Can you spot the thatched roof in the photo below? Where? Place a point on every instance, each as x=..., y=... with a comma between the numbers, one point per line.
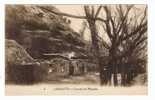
x=16, y=54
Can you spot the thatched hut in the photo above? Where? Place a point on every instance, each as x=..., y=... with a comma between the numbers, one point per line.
x=20, y=66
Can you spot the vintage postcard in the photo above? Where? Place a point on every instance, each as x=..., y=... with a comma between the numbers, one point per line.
x=76, y=49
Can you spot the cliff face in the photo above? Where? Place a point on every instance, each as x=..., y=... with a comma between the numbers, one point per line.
x=32, y=33
x=40, y=31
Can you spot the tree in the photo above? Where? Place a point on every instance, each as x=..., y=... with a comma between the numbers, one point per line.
x=91, y=16
x=126, y=34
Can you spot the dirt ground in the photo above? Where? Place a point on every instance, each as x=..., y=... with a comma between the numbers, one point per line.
x=76, y=85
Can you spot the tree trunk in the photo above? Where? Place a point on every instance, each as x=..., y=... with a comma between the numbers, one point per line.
x=115, y=74
x=123, y=82
x=94, y=37
x=123, y=79
x=71, y=68
x=113, y=64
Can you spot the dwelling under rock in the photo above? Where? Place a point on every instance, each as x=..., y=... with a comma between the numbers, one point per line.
x=32, y=35
x=64, y=65
x=21, y=68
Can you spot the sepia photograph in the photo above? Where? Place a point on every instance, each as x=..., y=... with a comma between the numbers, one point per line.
x=80, y=49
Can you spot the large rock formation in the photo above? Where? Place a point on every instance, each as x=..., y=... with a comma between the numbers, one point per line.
x=32, y=32
x=40, y=31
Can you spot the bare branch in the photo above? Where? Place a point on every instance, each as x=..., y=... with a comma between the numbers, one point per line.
x=93, y=12
x=98, y=11
x=137, y=30
x=113, y=25
x=123, y=17
x=104, y=43
x=62, y=14
x=108, y=17
x=140, y=41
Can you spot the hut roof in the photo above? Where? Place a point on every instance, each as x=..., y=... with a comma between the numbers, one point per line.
x=16, y=54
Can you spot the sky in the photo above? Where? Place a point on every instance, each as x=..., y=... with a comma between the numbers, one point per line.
x=76, y=24
x=74, y=10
